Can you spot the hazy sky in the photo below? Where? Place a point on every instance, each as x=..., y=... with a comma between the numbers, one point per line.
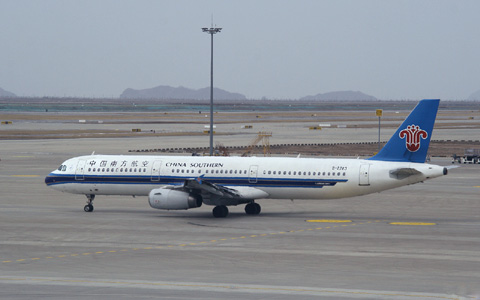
x=277, y=49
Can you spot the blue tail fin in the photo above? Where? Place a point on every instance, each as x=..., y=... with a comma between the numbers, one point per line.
x=410, y=141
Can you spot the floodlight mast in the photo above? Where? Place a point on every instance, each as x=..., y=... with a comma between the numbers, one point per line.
x=212, y=30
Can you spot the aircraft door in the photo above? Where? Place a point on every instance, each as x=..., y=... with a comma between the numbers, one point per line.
x=80, y=170
x=364, y=178
x=156, y=170
x=252, y=177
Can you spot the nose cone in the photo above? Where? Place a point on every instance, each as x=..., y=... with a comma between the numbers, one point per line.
x=50, y=179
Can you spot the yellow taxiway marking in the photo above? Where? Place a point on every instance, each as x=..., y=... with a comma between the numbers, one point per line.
x=412, y=223
x=477, y=186
x=26, y=176
x=328, y=221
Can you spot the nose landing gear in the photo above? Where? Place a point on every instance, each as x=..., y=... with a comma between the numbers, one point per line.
x=89, y=206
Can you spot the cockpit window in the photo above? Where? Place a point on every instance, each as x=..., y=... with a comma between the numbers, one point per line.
x=60, y=168
x=64, y=168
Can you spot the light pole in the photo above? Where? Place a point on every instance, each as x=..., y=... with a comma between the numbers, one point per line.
x=211, y=31
x=379, y=114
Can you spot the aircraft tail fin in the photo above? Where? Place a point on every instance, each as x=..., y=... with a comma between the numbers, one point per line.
x=411, y=140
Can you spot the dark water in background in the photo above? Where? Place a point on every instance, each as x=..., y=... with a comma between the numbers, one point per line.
x=117, y=105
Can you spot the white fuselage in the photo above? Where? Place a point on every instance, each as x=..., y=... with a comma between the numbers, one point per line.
x=262, y=177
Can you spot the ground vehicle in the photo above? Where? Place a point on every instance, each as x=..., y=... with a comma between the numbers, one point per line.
x=471, y=156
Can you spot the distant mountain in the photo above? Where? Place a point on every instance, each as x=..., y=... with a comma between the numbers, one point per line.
x=341, y=95
x=4, y=93
x=475, y=96
x=168, y=92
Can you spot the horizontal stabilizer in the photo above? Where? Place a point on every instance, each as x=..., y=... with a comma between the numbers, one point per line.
x=402, y=173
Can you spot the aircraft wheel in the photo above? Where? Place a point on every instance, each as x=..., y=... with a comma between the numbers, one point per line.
x=258, y=208
x=88, y=208
x=253, y=208
x=220, y=211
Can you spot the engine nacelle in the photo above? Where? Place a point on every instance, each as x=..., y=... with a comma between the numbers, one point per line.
x=172, y=199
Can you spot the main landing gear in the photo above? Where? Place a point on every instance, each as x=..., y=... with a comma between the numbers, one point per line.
x=253, y=208
x=89, y=206
x=221, y=211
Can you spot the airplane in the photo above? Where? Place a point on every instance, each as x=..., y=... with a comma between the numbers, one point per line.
x=185, y=182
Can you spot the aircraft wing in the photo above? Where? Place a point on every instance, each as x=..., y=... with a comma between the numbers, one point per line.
x=214, y=194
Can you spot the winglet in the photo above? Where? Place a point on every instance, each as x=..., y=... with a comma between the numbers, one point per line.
x=411, y=140
x=199, y=179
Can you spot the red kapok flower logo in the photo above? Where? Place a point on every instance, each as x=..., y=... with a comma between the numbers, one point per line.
x=412, y=135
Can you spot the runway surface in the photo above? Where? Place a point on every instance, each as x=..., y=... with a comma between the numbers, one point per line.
x=415, y=242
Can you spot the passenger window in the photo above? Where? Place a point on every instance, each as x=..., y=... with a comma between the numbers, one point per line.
x=89, y=169
x=308, y=173
x=274, y=172
x=344, y=174
x=289, y=172
x=314, y=173
x=323, y=173
x=328, y=173
x=269, y=172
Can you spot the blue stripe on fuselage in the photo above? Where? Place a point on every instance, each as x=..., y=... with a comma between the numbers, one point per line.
x=55, y=179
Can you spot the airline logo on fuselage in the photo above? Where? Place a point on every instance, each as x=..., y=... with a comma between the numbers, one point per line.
x=194, y=165
x=412, y=135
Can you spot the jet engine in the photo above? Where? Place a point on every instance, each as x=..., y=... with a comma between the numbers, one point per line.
x=172, y=199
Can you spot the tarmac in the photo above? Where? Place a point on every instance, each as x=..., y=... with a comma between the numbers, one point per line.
x=415, y=242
